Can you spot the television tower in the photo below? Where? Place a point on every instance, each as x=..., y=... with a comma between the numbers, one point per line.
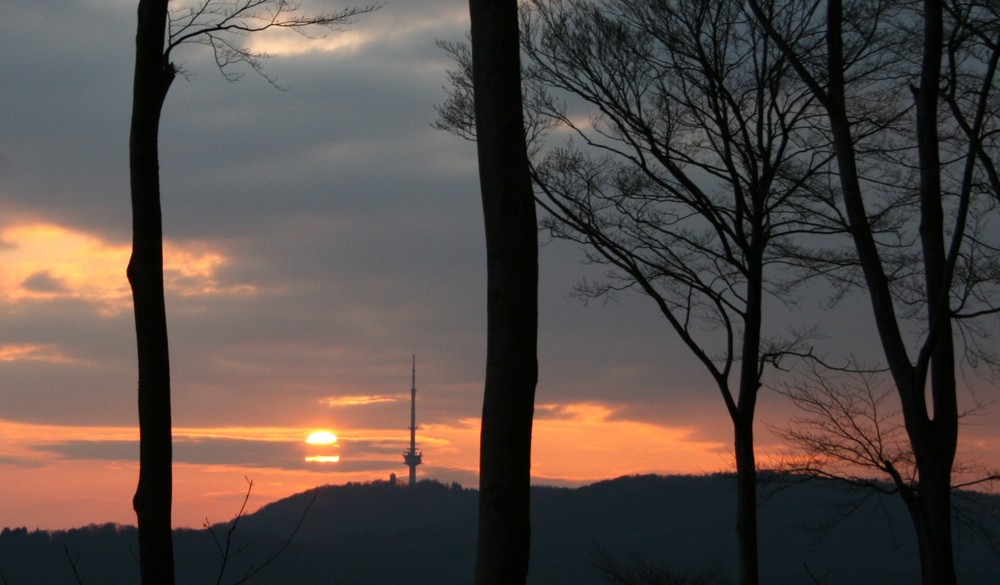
x=412, y=457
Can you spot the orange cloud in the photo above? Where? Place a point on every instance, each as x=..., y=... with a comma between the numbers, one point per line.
x=44, y=262
x=278, y=42
x=192, y=269
x=337, y=401
x=33, y=352
x=48, y=262
x=282, y=42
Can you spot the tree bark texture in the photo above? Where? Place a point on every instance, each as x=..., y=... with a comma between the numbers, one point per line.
x=152, y=502
x=512, y=296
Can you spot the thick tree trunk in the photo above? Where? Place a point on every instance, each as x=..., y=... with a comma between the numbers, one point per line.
x=931, y=517
x=153, y=495
x=512, y=292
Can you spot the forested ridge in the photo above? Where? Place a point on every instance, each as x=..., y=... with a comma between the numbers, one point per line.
x=376, y=533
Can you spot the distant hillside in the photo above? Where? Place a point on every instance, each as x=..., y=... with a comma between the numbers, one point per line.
x=378, y=533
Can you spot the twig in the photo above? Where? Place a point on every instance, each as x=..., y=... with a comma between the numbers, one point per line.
x=72, y=563
x=226, y=553
x=813, y=577
x=254, y=570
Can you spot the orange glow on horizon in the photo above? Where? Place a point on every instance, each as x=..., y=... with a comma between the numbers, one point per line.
x=581, y=443
x=574, y=443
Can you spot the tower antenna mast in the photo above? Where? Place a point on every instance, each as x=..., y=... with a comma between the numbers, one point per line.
x=411, y=457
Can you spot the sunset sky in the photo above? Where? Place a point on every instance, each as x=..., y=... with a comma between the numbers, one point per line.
x=315, y=240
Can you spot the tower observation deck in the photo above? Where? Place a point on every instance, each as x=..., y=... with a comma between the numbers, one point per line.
x=411, y=457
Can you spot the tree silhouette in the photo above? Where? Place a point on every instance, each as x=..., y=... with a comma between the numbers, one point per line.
x=909, y=96
x=512, y=296
x=691, y=162
x=220, y=24
x=849, y=429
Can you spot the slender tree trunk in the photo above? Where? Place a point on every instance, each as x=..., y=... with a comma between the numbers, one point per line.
x=512, y=296
x=743, y=417
x=746, y=498
x=153, y=495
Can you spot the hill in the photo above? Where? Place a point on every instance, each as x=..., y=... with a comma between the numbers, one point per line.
x=380, y=533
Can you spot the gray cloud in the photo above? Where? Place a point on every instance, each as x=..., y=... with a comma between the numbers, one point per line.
x=96, y=450
x=43, y=281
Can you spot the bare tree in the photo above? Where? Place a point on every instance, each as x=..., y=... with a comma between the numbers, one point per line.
x=687, y=177
x=850, y=429
x=220, y=24
x=909, y=95
x=512, y=296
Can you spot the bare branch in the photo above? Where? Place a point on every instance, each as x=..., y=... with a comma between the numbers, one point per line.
x=73, y=563
x=848, y=432
x=223, y=25
x=277, y=553
x=226, y=552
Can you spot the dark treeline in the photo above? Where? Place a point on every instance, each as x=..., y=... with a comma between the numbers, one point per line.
x=377, y=533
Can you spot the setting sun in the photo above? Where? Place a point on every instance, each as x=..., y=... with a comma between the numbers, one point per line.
x=321, y=438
